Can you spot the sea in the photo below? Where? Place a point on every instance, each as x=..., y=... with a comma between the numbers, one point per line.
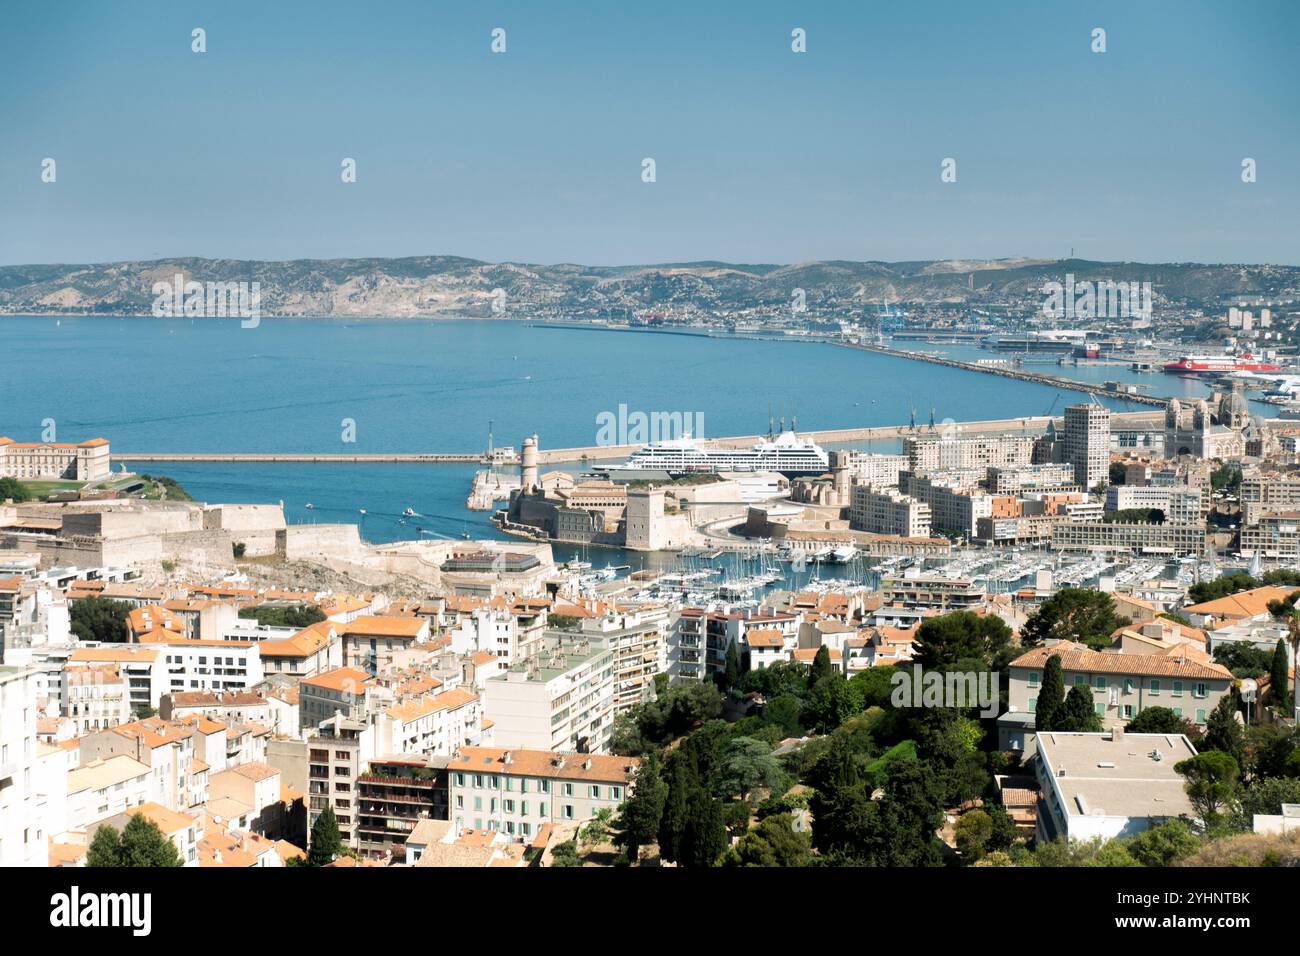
x=364, y=386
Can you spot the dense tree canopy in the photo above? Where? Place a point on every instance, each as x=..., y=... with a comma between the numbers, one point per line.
x=1074, y=614
x=99, y=619
x=141, y=843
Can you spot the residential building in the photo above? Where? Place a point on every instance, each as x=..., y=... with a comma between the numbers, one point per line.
x=1087, y=443
x=886, y=511
x=561, y=699
x=516, y=791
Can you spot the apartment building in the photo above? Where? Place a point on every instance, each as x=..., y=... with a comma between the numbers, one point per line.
x=935, y=452
x=879, y=471
x=104, y=787
x=917, y=590
x=560, y=699
x=95, y=697
x=638, y=638
x=516, y=791
x=1262, y=492
x=337, y=754
x=314, y=649
x=342, y=690
x=1087, y=443
x=145, y=669
x=22, y=835
x=393, y=796
x=1124, y=684
x=1181, y=505
x=430, y=724
x=1109, y=785
x=1274, y=536
x=955, y=506
x=686, y=645
x=1135, y=538
x=1016, y=479
x=886, y=511
x=228, y=666
x=167, y=749
x=378, y=644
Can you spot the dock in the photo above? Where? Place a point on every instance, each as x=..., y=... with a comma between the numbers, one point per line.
x=549, y=456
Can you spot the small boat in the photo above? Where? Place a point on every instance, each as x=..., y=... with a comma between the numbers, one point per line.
x=309, y=505
x=465, y=535
x=409, y=512
x=361, y=511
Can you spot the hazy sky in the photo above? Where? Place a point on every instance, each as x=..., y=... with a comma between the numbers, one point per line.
x=762, y=154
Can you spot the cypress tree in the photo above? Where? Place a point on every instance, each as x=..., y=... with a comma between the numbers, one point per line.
x=1223, y=732
x=326, y=842
x=677, y=806
x=639, y=821
x=1078, y=715
x=1277, y=680
x=1051, y=696
x=706, y=831
x=821, y=666
x=731, y=677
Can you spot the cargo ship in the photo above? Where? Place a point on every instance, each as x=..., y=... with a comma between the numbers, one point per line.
x=1219, y=364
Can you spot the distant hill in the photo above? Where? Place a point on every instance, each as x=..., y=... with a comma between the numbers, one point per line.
x=447, y=285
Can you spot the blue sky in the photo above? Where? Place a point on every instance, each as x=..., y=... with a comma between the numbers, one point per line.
x=763, y=155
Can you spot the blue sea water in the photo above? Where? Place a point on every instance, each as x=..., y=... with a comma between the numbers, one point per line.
x=413, y=385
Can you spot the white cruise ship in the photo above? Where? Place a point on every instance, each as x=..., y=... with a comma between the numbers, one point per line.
x=787, y=454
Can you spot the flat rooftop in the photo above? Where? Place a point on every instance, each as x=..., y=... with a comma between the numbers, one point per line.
x=1118, y=778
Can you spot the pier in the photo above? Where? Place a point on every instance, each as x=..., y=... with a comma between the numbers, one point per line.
x=1035, y=424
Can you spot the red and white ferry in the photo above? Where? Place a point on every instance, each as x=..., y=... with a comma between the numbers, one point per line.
x=1219, y=364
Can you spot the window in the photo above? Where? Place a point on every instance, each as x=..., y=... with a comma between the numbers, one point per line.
x=595, y=792
x=1128, y=685
x=1178, y=688
x=1178, y=712
x=1128, y=711
x=1202, y=691
x=1155, y=687
x=1033, y=678
x=542, y=809
x=523, y=785
x=460, y=780
x=568, y=790
x=478, y=780
x=616, y=793
x=1080, y=680
x=478, y=803
x=544, y=786
x=508, y=806
x=523, y=808
x=1100, y=709
x=568, y=811
x=1033, y=704
x=1100, y=683
x=1200, y=716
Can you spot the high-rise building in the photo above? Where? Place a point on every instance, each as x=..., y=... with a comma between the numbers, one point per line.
x=1087, y=443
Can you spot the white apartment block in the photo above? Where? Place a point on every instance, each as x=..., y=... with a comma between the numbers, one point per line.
x=560, y=699
x=639, y=641
x=934, y=452
x=1087, y=443
x=1180, y=505
x=96, y=697
x=430, y=725
x=22, y=833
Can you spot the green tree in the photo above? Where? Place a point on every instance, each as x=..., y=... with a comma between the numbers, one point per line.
x=731, y=671
x=1164, y=844
x=1223, y=732
x=962, y=637
x=972, y=833
x=821, y=666
x=105, y=848
x=1074, y=614
x=834, y=699
x=141, y=843
x=774, y=842
x=99, y=619
x=1277, y=678
x=14, y=490
x=641, y=812
x=747, y=765
x=682, y=785
x=1211, y=783
x=1080, y=716
x=1155, y=720
x=1051, y=696
x=706, y=832
x=297, y=615
x=326, y=842
x=565, y=854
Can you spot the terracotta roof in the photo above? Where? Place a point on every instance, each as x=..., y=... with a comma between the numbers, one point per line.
x=1252, y=603
x=342, y=679
x=1077, y=657
x=376, y=626
x=543, y=763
